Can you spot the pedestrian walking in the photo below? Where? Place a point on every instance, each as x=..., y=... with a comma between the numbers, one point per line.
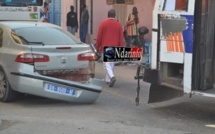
x=72, y=21
x=84, y=23
x=110, y=33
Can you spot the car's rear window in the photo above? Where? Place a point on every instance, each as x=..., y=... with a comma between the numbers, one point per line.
x=43, y=35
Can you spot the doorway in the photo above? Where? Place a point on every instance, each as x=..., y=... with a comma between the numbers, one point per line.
x=121, y=13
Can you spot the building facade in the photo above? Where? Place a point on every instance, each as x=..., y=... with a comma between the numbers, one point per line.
x=98, y=12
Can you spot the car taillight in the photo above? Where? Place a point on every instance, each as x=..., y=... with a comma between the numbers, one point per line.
x=87, y=56
x=30, y=58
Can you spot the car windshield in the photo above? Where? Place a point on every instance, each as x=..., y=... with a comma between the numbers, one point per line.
x=43, y=36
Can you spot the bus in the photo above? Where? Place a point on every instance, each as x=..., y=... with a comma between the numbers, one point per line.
x=182, y=51
x=24, y=10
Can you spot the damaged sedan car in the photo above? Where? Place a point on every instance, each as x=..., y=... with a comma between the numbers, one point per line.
x=45, y=60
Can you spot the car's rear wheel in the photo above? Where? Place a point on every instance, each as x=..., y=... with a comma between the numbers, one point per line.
x=6, y=93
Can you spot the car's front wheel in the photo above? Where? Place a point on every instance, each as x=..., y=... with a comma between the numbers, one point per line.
x=6, y=93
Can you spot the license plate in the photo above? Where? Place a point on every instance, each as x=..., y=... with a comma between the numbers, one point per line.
x=59, y=89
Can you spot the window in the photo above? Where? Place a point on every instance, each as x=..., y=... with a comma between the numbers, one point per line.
x=43, y=36
x=181, y=5
x=120, y=1
x=175, y=5
x=110, y=2
x=20, y=3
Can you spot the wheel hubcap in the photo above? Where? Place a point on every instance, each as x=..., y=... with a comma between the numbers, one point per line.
x=2, y=85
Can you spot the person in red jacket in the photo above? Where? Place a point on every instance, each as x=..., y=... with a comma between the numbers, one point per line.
x=110, y=33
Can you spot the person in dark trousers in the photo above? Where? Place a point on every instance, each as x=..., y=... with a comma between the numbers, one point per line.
x=72, y=21
x=110, y=34
x=84, y=23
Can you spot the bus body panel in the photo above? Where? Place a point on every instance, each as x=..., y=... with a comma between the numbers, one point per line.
x=34, y=12
x=183, y=50
x=172, y=45
x=24, y=16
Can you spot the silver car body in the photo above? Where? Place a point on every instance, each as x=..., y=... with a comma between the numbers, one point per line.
x=61, y=77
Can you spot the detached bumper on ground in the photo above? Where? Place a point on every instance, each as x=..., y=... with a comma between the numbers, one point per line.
x=54, y=88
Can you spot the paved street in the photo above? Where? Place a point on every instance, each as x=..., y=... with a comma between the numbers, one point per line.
x=114, y=112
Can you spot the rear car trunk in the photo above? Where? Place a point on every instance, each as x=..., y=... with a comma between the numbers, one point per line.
x=65, y=62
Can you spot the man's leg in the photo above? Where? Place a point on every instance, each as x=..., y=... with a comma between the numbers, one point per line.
x=109, y=66
x=81, y=32
x=112, y=64
x=113, y=79
x=109, y=70
x=128, y=45
x=106, y=68
x=73, y=30
x=85, y=30
x=128, y=41
x=69, y=29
